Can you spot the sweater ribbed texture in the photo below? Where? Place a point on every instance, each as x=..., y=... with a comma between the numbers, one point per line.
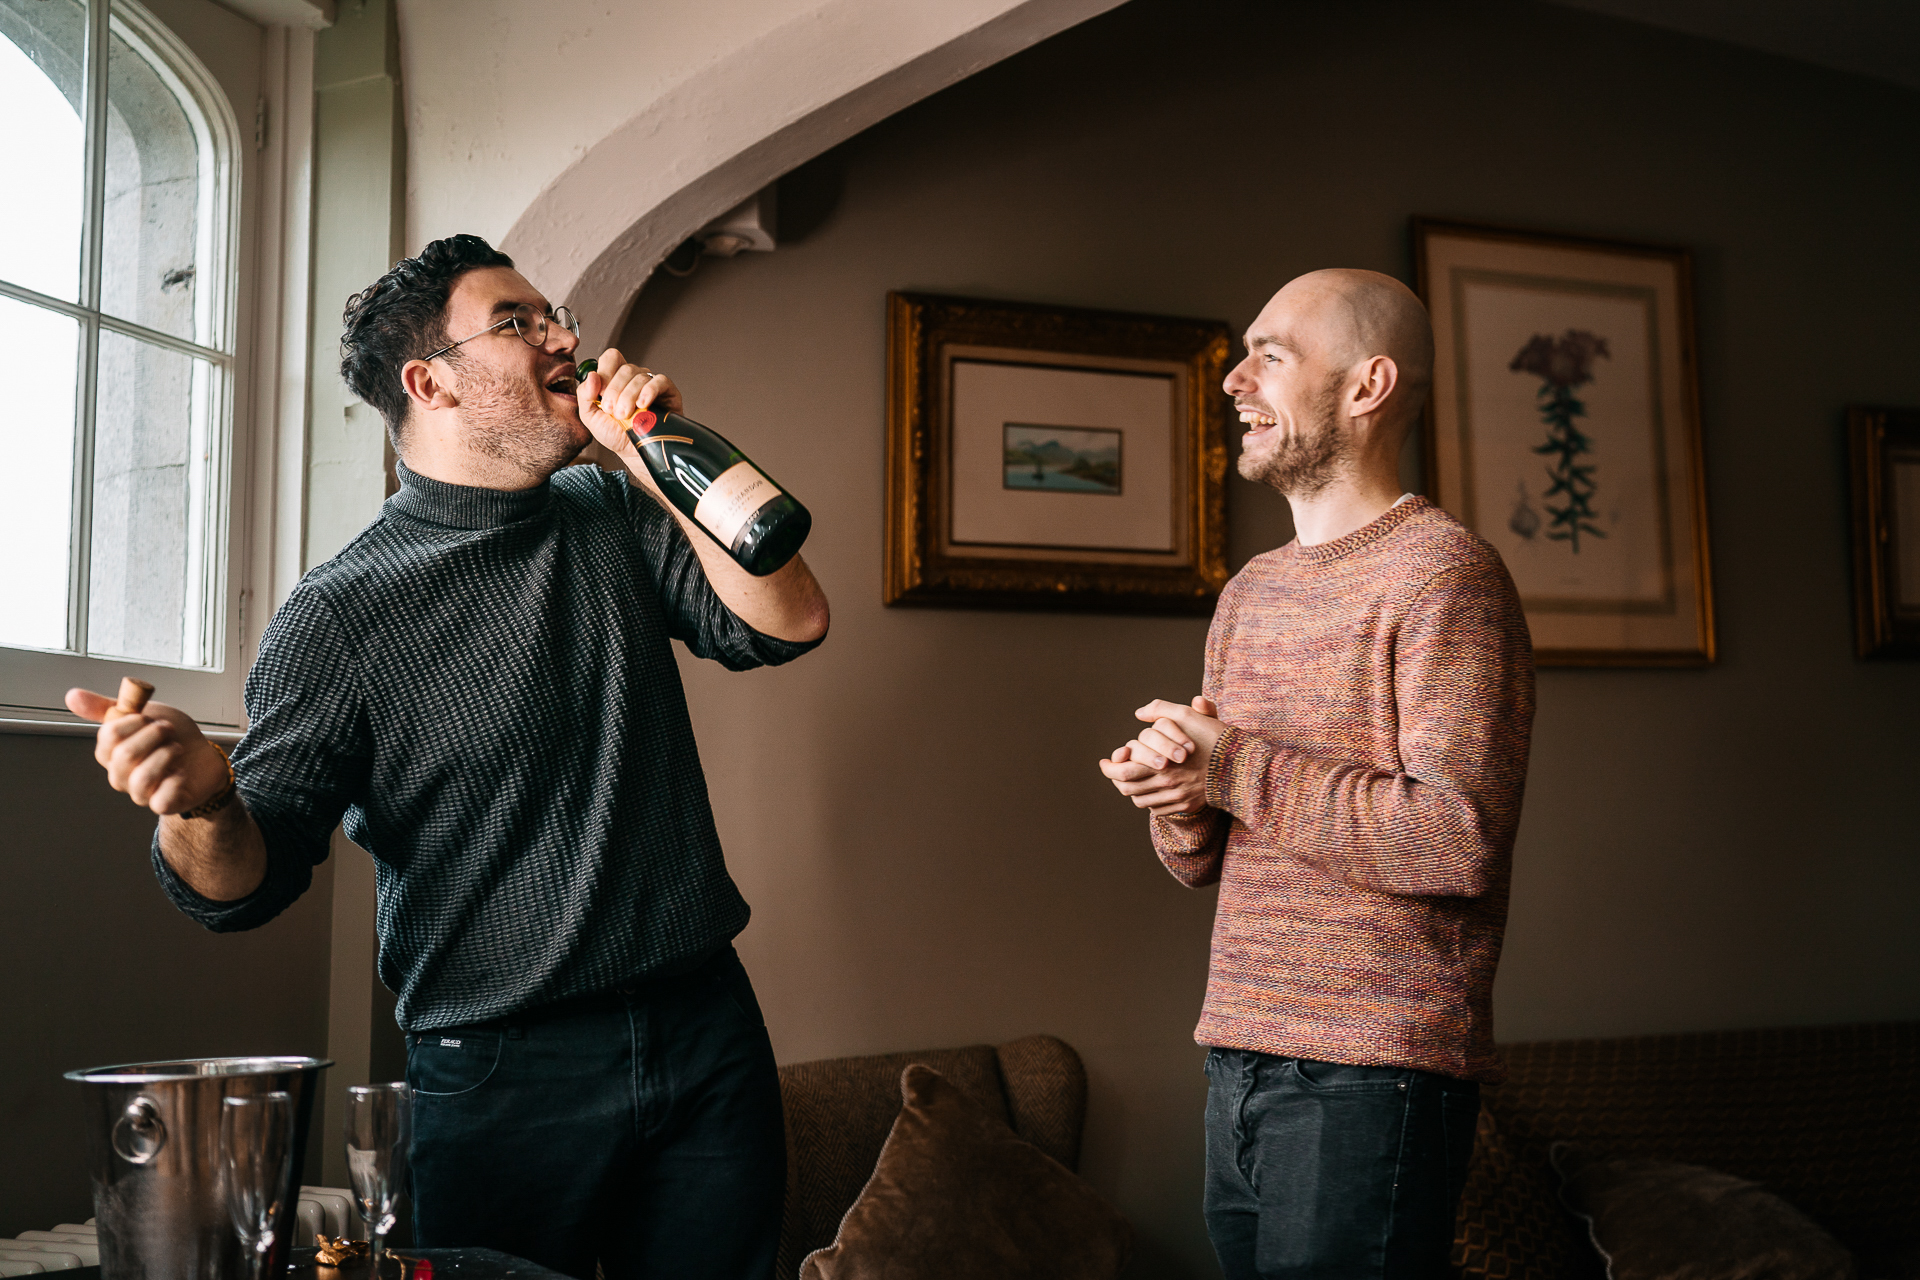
x=482, y=684
x=1363, y=801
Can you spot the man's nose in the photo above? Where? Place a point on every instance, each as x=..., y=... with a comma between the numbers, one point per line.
x=1237, y=380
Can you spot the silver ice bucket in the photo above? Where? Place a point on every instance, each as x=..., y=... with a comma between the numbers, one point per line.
x=153, y=1135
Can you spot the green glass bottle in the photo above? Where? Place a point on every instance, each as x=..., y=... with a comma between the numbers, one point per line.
x=720, y=489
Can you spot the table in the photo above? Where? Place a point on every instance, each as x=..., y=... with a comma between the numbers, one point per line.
x=448, y=1264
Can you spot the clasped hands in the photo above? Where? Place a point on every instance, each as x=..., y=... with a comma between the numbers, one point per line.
x=1164, y=770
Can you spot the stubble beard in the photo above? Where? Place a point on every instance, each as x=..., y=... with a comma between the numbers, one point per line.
x=511, y=421
x=1303, y=464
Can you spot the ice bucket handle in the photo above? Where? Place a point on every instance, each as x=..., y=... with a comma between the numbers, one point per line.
x=139, y=1133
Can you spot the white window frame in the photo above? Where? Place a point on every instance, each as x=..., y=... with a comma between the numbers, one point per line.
x=257, y=467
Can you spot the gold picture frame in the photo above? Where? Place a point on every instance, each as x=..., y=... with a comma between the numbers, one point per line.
x=1883, y=445
x=1053, y=457
x=1564, y=428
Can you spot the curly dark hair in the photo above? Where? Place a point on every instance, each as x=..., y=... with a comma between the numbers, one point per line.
x=402, y=316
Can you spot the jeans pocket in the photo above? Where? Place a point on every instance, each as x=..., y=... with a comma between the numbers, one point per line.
x=1341, y=1077
x=445, y=1064
x=737, y=989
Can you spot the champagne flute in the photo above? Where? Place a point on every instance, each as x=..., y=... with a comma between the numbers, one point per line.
x=379, y=1130
x=256, y=1146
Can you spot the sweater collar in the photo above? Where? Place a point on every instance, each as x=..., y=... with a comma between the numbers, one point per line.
x=1382, y=525
x=459, y=506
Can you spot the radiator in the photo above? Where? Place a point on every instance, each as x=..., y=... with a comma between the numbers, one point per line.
x=77, y=1244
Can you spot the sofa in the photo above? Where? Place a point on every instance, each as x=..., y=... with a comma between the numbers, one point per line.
x=839, y=1112
x=1828, y=1118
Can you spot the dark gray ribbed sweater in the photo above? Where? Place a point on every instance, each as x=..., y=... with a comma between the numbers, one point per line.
x=481, y=682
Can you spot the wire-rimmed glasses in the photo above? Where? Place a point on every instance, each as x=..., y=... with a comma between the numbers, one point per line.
x=256, y=1157
x=379, y=1131
x=529, y=322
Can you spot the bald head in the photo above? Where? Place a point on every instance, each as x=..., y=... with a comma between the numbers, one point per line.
x=1337, y=368
x=1351, y=316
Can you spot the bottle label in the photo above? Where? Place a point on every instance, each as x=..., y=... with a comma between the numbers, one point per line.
x=731, y=500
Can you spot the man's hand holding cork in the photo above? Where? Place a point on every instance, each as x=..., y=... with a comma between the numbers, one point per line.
x=160, y=758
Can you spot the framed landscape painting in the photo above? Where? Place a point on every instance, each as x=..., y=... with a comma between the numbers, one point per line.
x=1883, y=445
x=1050, y=457
x=1564, y=428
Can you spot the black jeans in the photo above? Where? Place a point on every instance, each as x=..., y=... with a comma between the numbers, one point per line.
x=1319, y=1171
x=640, y=1127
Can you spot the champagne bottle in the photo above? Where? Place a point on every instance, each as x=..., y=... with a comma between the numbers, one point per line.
x=719, y=488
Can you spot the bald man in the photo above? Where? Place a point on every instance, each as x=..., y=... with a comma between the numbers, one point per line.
x=1351, y=778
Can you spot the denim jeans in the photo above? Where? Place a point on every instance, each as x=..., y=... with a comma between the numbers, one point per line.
x=1320, y=1171
x=640, y=1128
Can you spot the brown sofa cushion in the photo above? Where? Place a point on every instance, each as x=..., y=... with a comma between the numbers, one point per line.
x=1821, y=1115
x=1660, y=1220
x=957, y=1194
x=839, y=1112
x=1510, y=1223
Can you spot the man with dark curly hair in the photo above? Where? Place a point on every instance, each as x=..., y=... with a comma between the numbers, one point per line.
x=481, y=684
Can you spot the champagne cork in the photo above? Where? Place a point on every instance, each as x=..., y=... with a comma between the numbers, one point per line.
x=133, y=698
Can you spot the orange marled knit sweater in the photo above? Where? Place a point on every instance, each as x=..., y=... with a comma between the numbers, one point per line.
x=1379, y=693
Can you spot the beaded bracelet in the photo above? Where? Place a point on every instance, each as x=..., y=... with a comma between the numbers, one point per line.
x=227, y=792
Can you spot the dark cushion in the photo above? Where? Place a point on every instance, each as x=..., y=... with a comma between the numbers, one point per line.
x=839, y=1112
x=1511, y=1224
x=1823, y=1116
x=957, y=1194
x=1660, y=1220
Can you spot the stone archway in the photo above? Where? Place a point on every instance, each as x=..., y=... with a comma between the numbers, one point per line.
x=598, y=229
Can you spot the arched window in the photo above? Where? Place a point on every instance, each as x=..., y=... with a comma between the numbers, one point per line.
x=118, y=244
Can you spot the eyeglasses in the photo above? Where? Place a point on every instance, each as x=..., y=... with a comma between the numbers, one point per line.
x=528, y=322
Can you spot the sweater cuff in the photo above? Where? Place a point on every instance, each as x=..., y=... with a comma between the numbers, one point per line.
x=1183, y=833
x=197, y=906
x=773, y=651
x=1235, y=771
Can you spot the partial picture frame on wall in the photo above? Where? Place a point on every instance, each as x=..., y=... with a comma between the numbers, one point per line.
x=1047, y=457
x=1564, y=428
x=1883, y=446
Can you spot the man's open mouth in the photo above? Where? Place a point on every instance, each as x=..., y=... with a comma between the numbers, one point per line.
x=564, y=383
x=1254, y=418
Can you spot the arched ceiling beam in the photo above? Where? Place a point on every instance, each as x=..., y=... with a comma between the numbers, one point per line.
x=599, y=228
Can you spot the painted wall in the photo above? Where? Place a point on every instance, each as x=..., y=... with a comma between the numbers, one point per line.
x=914, y=810
x=96, y=967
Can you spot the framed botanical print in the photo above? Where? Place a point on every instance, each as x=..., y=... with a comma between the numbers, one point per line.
x=1884, y=448
x=1564, y=428
x=1052, y=457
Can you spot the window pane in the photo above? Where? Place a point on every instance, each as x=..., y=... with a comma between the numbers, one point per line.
x=42, y=146
x=39, y=361
x=153, y=453
x=156, y=196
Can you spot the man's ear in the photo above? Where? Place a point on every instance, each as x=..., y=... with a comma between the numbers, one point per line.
x=1378, y=376
x=424, y=387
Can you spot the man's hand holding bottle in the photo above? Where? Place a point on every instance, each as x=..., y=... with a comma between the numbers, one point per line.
x=609, y=400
